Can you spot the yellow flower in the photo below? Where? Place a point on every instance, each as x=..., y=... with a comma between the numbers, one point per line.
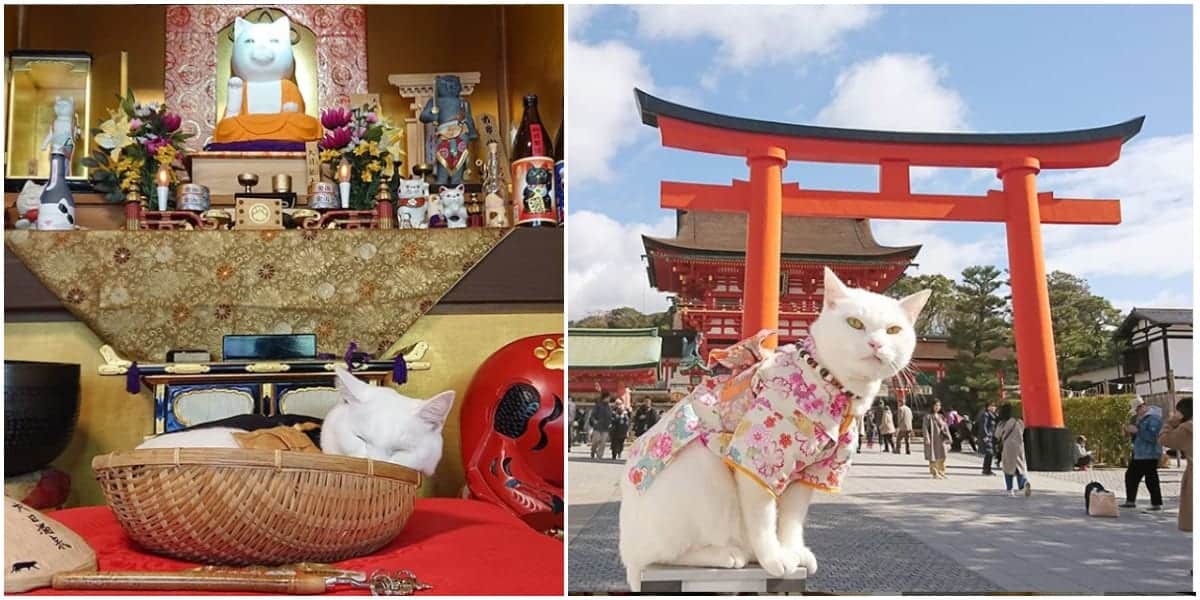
x=114, y=134
x=366, y=176
x=165, y=155
x=395, y=145
x=328, y=155
x=360, y=149
x=374, y=165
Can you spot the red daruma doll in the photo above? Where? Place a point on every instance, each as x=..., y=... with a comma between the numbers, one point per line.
x=533, y=171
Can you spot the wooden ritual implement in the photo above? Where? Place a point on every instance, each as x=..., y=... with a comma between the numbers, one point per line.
x=37, y=547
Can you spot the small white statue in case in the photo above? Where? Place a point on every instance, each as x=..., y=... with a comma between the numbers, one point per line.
x=65, y=128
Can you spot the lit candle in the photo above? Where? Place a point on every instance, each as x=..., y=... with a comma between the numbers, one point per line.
x=343, y=173
x=164, y=181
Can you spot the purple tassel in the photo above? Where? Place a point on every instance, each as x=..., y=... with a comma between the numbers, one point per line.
x=133, y=379
x=350, y=354
x=399, y=370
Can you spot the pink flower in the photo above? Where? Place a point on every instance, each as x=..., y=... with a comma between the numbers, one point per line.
x=372, y=118
x=152, y=145
x=336, y=139
x=662, y=446
x=334, y=118
x=135, y=124
x=171, y=121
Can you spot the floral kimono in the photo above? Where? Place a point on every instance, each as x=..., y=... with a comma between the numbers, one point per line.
x=774, y=417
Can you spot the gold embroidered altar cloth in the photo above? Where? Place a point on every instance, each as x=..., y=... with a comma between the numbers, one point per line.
x=147, y=292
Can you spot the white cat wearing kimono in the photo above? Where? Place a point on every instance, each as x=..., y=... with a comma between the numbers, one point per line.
x=726, y=476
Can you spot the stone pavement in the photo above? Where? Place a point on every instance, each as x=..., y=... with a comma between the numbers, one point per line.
x=896, y=530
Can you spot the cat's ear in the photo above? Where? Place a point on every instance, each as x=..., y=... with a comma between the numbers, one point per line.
x=913, y=303
x=239, y=25
x=435, y=410
x=282, y=23
x=442, y=189
x=835, y=290
x=459, y=188
x=349, y=387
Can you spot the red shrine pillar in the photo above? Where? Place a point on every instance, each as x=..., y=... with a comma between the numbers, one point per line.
x=764, y=229
x=1047, y=441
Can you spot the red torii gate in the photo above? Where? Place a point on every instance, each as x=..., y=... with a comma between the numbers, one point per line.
x=1017, y=158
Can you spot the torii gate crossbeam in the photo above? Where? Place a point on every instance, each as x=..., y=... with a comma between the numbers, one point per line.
x=1016, y=158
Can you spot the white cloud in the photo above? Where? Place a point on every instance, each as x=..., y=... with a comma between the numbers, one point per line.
x=1153, y=181
x=605, y=269
x=578, y=16
x=604, y=117
x=759, y=36
x=1161, y=299
x=895, y=92
x=941, y=254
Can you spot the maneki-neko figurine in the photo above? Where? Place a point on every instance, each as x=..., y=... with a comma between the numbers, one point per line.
x=455, y=129
x=412, y=199
x=264, y=103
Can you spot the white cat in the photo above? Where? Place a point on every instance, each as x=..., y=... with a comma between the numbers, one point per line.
x=698, y=511
x=412, y=200
x=262, y=60
x=454, y=206
x=493, y=206
x=65, y=128
x=368, y=421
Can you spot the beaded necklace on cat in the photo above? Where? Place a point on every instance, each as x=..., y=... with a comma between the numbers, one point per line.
x=825, y=374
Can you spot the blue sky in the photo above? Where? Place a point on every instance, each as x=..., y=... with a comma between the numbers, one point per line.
x=928, y=68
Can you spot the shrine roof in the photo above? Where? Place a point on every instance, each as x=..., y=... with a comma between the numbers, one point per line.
x=1154, y=316
x=651, y=108
x=613, y=348
x=721, y=233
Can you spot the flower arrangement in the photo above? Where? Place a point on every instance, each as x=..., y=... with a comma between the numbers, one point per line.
x=368, y=142
x=132, y=144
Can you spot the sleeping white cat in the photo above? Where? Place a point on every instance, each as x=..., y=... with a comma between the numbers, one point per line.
x=368, y=421
x=699, y=512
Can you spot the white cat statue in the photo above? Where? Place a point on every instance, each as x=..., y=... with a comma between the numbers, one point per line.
x=65, y=128
x=368, y=421
x=454, y=206
x=435, y=217
x=412, y=204
x=784, y=420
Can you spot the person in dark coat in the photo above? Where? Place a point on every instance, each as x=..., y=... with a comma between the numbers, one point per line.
x=619, y=430
x=600, y=420
x=987, y=436
x=644, y=418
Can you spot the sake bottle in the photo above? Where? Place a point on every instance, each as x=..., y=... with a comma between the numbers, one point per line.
x=57, y=209
x=560, y=175
x=533, y=170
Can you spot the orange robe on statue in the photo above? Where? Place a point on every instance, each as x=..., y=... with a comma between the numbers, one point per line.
x=281, y=126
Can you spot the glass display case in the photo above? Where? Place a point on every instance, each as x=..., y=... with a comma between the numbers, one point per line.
x=36, y=78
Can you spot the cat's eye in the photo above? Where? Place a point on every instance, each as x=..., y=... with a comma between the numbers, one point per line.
x=854, y=322
x=893, y=330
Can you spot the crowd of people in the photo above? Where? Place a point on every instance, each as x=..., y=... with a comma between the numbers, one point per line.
x=997, y=434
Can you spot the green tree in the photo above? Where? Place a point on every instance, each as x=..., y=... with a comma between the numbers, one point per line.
x=939, y=309
x=626, y=318
x=1083, y=325
x=979, y=326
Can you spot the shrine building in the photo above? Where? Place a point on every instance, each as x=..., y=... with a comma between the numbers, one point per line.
x=704, y=267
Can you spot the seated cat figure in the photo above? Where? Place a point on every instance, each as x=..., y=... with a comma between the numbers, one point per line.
x=726, y=475
x=454, y=206
x=368, y=421
x=412, y=203
x=263, y=102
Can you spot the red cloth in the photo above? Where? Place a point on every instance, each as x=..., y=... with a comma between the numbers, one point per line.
x=461, y=547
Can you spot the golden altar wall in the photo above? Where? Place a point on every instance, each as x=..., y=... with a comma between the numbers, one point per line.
x=494, y=40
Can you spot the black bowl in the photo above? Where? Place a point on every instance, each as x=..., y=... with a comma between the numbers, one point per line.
x=41, y=405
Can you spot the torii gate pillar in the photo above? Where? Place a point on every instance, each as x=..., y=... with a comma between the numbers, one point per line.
x=764, y=231
x=1041, y=401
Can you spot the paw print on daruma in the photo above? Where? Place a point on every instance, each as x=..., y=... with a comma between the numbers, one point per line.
x=551, y=353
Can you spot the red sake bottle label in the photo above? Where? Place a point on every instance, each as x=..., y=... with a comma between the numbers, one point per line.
x=535, y=134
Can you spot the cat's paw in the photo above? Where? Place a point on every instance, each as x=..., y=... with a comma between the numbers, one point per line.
x=291, y=107
x=738, y=557
x=236, y=85
x=801, y=558
x=777, y=563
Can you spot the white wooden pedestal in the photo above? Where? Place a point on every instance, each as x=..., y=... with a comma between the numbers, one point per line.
x=665, y=579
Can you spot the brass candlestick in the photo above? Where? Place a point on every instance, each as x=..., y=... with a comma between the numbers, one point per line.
x=249, y=180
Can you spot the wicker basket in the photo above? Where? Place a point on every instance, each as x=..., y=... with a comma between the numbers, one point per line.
x=229, y=506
